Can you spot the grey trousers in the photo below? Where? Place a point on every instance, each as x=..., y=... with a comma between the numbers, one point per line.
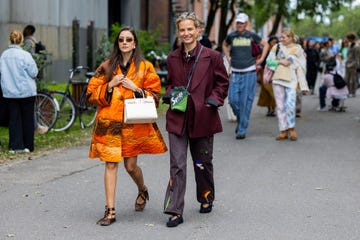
x=201, y=150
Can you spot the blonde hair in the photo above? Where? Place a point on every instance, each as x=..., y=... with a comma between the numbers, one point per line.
x=290, y=33
x=190, y=16
x=16, y=37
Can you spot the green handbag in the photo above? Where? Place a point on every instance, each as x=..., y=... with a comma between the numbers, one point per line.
x=179, y=97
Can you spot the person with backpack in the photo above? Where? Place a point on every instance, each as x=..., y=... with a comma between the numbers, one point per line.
x=31, y=45
x=333, y=87
x=29, y=39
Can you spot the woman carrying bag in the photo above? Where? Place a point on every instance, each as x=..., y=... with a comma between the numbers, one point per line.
x=125, y=74
x=290, y=68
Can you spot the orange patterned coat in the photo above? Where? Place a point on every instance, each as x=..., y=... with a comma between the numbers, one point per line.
x=112, y=139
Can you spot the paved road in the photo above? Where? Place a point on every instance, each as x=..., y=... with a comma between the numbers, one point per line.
x=265, y=189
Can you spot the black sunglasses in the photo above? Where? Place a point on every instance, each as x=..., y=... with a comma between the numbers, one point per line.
x=128, y=40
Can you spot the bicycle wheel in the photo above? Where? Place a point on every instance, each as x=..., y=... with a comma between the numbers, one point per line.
x=87, y=114
x=66, y=113
x=46, y=109
x=87, y=111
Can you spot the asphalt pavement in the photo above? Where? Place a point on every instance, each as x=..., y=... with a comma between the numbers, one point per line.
x=265, y=189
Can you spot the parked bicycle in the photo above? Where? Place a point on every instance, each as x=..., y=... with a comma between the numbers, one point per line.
x=70, y=108
x=46, y=109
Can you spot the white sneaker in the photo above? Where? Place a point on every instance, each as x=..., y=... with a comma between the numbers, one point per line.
x=41, y=129
x=322, y=109
x=25, y=150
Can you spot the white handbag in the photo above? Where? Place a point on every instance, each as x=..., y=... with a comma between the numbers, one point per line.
x=140, y=110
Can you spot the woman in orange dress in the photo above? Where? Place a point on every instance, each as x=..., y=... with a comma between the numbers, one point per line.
x=125, y=74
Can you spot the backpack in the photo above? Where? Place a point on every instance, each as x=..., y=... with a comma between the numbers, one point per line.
x=39, y=47
x=339, y=81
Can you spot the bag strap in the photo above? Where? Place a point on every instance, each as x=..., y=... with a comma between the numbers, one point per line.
x=193, y=67
x=277, y=49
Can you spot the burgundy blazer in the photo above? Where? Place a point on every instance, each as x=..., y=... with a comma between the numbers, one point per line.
x=209, y=85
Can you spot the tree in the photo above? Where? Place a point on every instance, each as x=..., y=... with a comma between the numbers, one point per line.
x=225, y=6
x=262, y=10
x=281, y=9
x=338, y=24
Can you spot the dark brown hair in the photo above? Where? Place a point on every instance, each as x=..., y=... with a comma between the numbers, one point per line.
x=116, y=57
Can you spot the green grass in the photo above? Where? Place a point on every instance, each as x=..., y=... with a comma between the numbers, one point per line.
x=75, y=136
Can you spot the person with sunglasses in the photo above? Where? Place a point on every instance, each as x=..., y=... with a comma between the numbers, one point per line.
x=125, y=74
x=202, y=70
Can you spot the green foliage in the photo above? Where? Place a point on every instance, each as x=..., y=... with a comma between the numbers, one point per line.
x=103, y=50
x=149, y=41
x=337, y=25
x=42, y=59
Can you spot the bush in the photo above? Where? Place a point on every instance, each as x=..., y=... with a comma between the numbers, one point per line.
x=149, y=41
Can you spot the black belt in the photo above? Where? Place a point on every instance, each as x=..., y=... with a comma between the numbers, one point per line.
x=244, y=72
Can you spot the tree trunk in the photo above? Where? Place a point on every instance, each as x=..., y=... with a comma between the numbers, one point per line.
x=276, y=25
x=214, y=5
x=224, y=27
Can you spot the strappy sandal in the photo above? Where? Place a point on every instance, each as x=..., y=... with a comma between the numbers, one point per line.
x=144, y=195
x=109, y=217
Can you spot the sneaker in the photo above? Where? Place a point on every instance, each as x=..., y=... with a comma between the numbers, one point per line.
x=240, y=136
x=334, y=109
x=41, y=129
x=322, y=109
x=25, y=150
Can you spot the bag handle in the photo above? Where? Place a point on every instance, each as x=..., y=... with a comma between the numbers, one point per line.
x=142, y=93
x=193, y=67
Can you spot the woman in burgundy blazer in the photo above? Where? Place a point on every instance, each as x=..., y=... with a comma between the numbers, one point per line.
x=197, y=125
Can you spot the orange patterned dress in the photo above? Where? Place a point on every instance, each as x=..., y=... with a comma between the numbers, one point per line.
x=112, y=139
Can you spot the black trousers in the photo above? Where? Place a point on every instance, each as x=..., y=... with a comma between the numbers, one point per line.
x=322, y=97
x=201, y=150
x=21, y=123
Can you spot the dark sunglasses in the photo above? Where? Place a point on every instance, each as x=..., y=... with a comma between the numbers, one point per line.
x=187, y=14
x=128, y=40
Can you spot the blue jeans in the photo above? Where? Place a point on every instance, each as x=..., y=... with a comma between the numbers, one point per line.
x=242, y=92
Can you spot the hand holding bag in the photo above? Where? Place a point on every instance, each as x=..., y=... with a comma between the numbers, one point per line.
x=140, y=110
